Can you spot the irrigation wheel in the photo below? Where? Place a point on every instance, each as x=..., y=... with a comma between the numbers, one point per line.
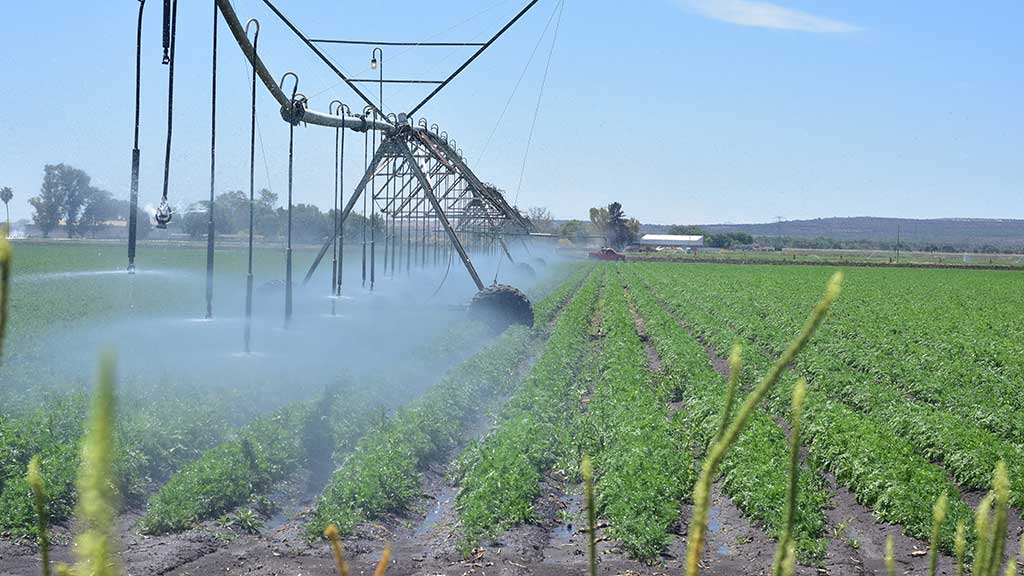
x=500, y=306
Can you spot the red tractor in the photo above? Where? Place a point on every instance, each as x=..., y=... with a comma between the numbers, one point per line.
x=608, y=254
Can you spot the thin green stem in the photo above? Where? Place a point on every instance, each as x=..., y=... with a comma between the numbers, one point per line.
x=938, y=517
x=588, y=486
x=38, y=486
x=698, y=523
x=786, y=540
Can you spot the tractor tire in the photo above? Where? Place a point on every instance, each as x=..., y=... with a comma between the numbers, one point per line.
x=500, y=306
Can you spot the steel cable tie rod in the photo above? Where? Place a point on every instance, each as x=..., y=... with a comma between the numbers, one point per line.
x=356, y=123
x=322, y=57
x=480, y=51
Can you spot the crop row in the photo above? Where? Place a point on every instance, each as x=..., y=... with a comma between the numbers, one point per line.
x=881, y=467
x=383, y=473
x=260, y=455
x=642, y=469
x=154, y=438
x=752, y=475
x=947, y=338
x=967, y=451
x=501, y=474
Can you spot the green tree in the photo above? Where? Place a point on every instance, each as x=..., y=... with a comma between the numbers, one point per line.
x=573, y=230
x=77, y=191
x=599, y=219
x=267, y=223
x=680, y=230
x=193, y=222
x=49, y=204
x=309, y=224
x=6, y=194
x=617, y=231
x=632, y=230
x=63, y=195
x=100, y=207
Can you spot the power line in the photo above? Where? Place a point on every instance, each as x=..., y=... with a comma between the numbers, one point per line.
x=515, y=88
x=540, y=95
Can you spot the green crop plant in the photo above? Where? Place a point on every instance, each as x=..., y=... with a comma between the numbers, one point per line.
x=641, y=468
x=750, y=472
x=500, y=476
x=383, y=473
x=228, y=475
x=877, y=463
x=709, y=469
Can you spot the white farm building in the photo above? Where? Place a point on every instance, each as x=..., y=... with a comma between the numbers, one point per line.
x=670, y=241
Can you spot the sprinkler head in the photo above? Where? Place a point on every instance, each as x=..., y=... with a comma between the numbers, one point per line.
x=163, y=215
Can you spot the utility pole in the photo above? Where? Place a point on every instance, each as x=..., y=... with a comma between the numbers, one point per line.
x=897, y=243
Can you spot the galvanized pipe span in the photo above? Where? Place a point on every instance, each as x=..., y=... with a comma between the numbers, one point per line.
x=357, y=123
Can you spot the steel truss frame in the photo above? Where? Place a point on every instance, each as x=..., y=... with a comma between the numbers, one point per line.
x=418, y=182
x=422, y=188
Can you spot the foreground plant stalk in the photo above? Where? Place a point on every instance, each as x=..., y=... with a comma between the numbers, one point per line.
x=385, y=559
x=890, y=556
x=786, y=541
x=698, y=524
x=939, y=516
x=331, y=532
x=5, y=283
x=38, y=486
x=97, y=507
x=588, y=486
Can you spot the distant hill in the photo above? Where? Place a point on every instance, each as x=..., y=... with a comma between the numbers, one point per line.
x=951, y=231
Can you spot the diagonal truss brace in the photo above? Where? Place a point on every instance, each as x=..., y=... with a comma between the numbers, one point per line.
x=429, y=192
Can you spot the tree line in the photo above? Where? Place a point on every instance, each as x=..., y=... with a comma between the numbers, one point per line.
x=270, y=221
x=608, y=223
x=68, y=197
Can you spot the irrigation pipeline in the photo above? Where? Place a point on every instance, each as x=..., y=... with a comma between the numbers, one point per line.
x=252, y=189
x=294, y=116
x=339, y=183
x=366, y=146
x=133, y=208
x=213, y=167
x=163, y=212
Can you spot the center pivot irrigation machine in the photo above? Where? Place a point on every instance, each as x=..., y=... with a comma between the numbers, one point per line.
x=420, y=189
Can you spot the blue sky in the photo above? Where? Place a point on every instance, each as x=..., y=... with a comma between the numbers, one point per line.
x=683, y=110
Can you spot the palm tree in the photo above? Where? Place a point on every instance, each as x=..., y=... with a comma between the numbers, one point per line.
x=6, y=194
